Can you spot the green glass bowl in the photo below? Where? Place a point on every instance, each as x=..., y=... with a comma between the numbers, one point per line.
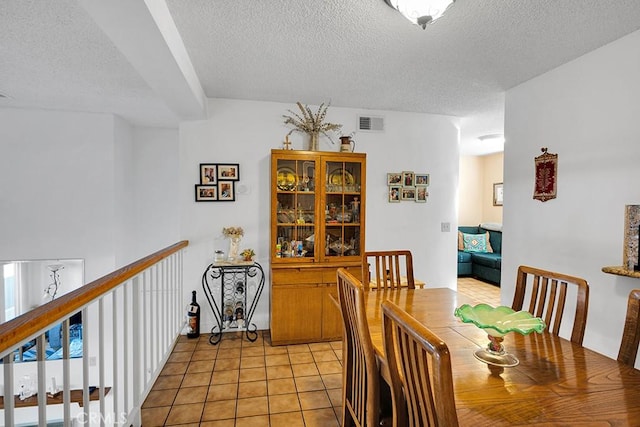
x=501, y=320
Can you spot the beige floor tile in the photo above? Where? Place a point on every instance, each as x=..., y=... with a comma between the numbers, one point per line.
x=251, y=361
x=155, y=416
x=281, y=386
x=168, y=381
x=219, y=423
x=305, y=357
x=229, y=353
x=320, y=418
x=180, y=357
x=336, y=345
x=276, y=359
x=252, y=389
x=223, y=391
x=185, y=346
x=304, y=370
x=298, y=348
x=204, y=355
x=252, y=374
x=225, y=377
x=219, y=410
x=284, y=403
x=252, y=406
x=174, y=369
x=332, y=380
x=335, y=397
x=310, y=383
x=200, y=366
x=320, y=346
x=199, y=378
x=191, y=395
x=283, y=371
x=256, y=421
x=333, y=367
x=228, y=342
x=287, y=419
x=182, y=414
x=324, y=356
x=314, y=400
x=158, y=398
x=275, y=350
x=226, y=364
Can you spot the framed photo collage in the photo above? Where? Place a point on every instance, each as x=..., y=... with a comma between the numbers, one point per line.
x=217, y=182
x=408, y=186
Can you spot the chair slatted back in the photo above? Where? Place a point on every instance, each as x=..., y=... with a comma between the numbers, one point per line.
x=631, y=333
x=390, y=267
x=548, y=295
x=360, y=388
x=420, y=370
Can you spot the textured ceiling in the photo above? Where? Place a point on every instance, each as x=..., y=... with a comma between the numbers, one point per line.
x=358, y=53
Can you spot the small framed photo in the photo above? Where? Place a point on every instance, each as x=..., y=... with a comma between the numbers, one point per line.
x=228, y=171
x=394, y=178
x=206, y=193
x=226, y=191
x=408, y=193
x=394, y=193
x=422, y=179
x=421, y=194
x=208, y=174
x=497, y=194
x=408, y=179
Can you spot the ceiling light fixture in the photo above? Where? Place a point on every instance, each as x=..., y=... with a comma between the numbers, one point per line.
x=420, y=12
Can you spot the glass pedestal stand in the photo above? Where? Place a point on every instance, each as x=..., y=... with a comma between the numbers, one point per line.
x=495, y=354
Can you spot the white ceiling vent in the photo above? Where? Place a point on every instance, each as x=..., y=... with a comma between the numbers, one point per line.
x=370, y=123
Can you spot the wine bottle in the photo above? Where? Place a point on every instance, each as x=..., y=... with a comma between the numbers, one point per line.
x=193, y=317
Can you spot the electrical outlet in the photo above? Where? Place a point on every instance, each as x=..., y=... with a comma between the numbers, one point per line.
x=445, y=227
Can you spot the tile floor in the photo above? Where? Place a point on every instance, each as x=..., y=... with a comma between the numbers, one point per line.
x=238, y=383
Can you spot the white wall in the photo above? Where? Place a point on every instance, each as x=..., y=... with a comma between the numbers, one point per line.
x=57, y=188
x=244, y=132
x=587, y=112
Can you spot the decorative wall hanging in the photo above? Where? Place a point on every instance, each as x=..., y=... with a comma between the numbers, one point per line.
x=408, y=186
x=497, y=194
x=545, y=176
x=631, y=255
x=217, y=182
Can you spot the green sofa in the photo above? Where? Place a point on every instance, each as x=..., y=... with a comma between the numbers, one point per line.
x=483, y=265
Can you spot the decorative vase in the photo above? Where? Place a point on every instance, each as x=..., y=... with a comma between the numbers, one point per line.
x=313, y=141
x=234, y=247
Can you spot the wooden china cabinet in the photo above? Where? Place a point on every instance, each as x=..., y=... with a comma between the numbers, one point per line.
x=317, y=226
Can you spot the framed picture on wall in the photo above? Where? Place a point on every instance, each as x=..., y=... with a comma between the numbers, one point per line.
x=408, y=179
x=394, y=193
x=229, y=172
x=409, y=194
x=394, y=178
x=421, y=194
x=422, y=179
x=206, y=193
x=208, y=174
x=226, y=191
x=497, y=194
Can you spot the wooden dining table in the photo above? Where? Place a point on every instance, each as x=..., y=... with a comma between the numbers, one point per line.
x=556, y=383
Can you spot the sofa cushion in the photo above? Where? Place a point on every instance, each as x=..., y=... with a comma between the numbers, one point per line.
x=492, y=260
x=464, y=256
x=495, y=237
x=476, y=242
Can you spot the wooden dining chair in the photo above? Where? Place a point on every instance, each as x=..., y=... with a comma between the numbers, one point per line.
x=360, y=366
x=548, y=295
x=631, y=334
x=393, y=269
x=420, y=369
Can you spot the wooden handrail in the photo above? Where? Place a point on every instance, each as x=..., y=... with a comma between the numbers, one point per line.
x=24, y=327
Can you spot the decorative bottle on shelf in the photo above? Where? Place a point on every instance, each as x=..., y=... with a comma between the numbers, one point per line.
x=193, y=316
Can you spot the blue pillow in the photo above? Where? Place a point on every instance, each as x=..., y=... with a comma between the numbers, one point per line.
x=476, y=242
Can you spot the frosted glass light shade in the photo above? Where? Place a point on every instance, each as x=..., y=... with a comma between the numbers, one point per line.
x=420, y=12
